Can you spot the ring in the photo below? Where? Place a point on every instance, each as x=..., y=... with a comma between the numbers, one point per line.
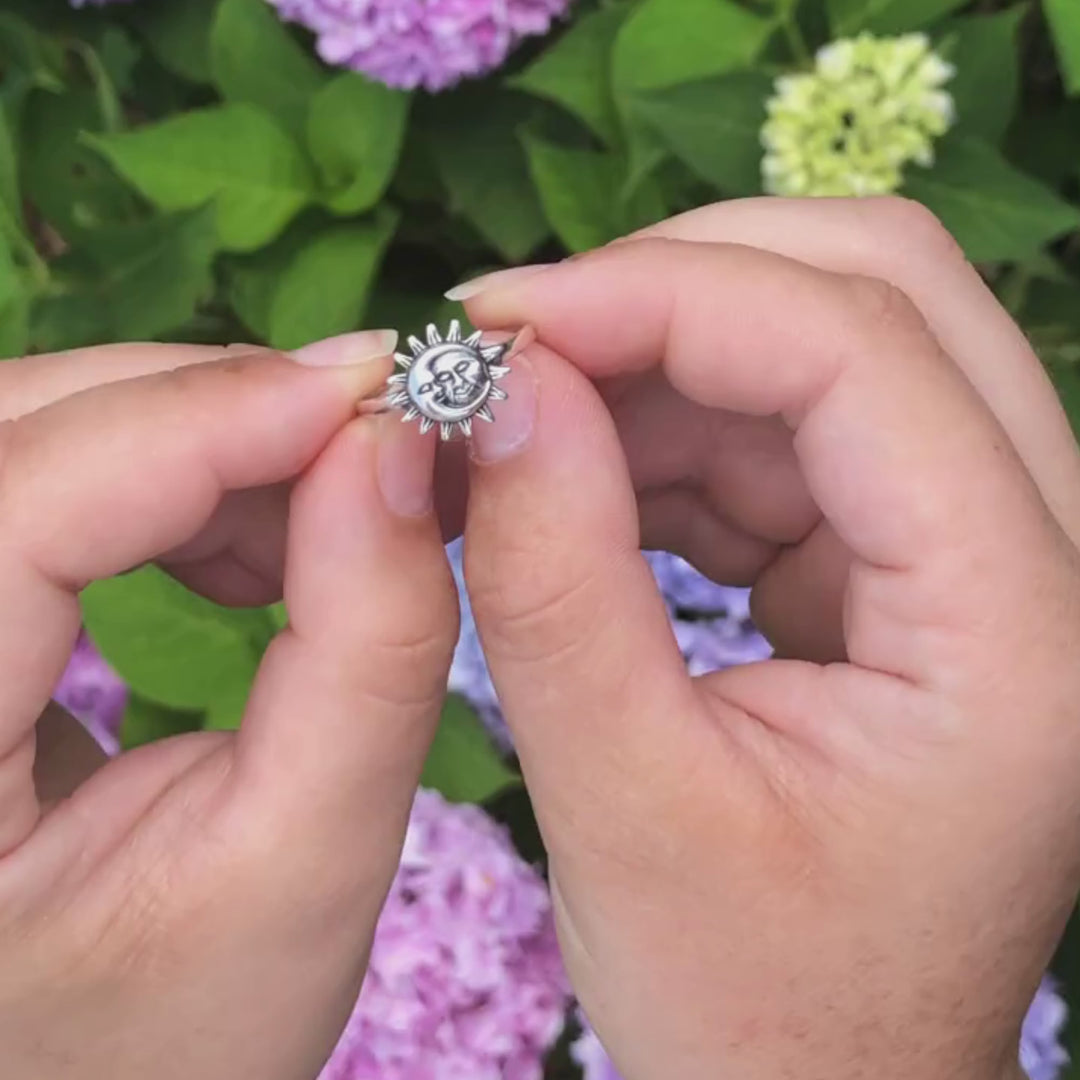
x=448, y=381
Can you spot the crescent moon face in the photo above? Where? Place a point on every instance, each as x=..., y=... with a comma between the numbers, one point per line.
x=449, y=383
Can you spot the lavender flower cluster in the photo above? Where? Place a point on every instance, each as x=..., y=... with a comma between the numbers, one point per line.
x=466, y=981
x=412, y=43
x=94, y=694
x=429, y=43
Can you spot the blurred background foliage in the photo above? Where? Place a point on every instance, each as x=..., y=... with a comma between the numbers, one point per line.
x=189, y=170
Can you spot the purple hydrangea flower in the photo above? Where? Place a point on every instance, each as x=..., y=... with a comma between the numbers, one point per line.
x=711, y=623
x=1042, y=1056
x=469, y=675
x=429, y=43
x=92, y=692
x=589, y=1053
x=466, y=981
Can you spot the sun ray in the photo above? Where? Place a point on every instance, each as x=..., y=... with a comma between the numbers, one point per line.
x=420, y=385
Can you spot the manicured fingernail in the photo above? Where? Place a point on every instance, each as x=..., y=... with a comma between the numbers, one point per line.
x=405, y=466
x=348, y=349
x=468, y=289
x=515, y=417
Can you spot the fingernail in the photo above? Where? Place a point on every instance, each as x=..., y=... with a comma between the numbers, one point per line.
x=405, y=466
x=515, y=417
x=348, y=349
x=468, y=289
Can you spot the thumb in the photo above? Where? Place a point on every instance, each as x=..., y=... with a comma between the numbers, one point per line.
x=574, y=628
x=347, y=700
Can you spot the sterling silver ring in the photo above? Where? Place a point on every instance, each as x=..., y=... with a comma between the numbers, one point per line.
x=448, y=381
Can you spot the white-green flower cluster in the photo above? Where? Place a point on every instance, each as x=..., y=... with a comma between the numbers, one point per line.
x=870, y=107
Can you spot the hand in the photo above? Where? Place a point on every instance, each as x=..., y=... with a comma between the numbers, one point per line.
x=833, y=870
x=203, y=907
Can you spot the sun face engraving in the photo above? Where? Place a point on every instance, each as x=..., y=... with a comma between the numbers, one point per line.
x=448, y=382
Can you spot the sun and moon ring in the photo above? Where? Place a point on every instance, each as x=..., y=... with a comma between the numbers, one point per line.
x=448, y=381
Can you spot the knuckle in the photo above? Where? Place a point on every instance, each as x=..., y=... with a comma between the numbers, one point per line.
x=530, y=616
x=880, y=306
x=907, y=223
x=414, y=650
x=407, y=663
x=190, y=380
x=13, y=435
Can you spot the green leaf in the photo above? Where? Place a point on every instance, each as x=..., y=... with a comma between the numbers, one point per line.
x=581, y=192
x=11, y=212
x=1050, y=310
x=255, y=60
x=887, y=16
x=576, y=71
x=226, y=710
x=70, y=320
x=324, y=291
x=1066, y=380
x=355, y=131
x=714, y=126
x=119, y=53
x=278, y=617
x=71, y=186
x=996, y=212
x=14, y=305
x=147, y=722
x=166, y=643
x=675, y=41
x=24, y=49
x=253, y=280
x=463, y=763
x=1047, y=141
x=147, y=278
x=483, y=166
x=179, y=35
x=1064, y=19
x=984, y=50
x=233, y=154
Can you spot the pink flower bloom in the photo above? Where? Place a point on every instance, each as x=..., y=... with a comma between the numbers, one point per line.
x=466, y=981
x=411, y=43
x=92, y=692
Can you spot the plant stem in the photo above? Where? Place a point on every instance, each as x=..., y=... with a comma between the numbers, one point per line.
x=793, y=32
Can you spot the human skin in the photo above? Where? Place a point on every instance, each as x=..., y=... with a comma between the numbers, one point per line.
x=854, y=860
x=203, y=907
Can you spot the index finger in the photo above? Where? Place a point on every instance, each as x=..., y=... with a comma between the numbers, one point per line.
x=901, y=454
x=107, y=479
x=32, y=382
